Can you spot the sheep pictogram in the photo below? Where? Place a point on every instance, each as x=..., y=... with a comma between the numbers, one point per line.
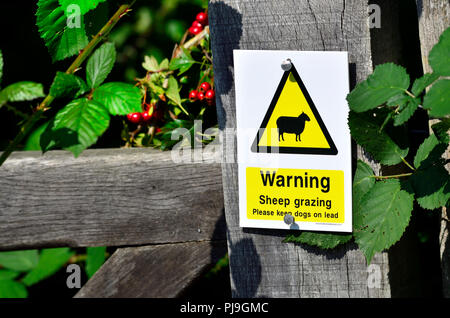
x=291, y=125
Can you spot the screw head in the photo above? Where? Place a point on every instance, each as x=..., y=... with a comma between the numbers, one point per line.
x=286, y=65
x=288, y=219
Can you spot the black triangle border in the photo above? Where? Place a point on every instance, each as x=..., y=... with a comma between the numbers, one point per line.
x=294, y=150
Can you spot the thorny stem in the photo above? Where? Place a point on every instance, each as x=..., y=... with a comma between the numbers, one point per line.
x=45, y=104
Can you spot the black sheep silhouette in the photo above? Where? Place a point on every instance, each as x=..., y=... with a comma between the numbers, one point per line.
x=291, y=125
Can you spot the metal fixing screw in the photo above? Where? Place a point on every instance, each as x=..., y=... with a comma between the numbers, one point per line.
x=286, y=65
x=289, y=219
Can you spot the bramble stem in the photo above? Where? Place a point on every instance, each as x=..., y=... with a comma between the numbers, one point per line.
x=45, y=104
x=393, y=176
x=408, y=164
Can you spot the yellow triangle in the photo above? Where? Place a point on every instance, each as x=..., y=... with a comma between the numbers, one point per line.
x=292, y=123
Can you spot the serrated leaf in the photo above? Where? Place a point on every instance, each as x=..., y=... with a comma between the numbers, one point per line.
x=50, y=261
x=67, y=85
x=398, y=100
x=84, y=5
x=423, y=82
x=20, y=261
x=322, y=240
x=441, y=130
x=87, y=119
x=95, y=259
x=7, y=274
x=387, y=81
x=182, y=63
x=429, y=151
x=21, y=91
x=431, y=187
x=439, y=57
x=150, y=64
x=119, y=98
x=363, y=181
x=437, y=100
x=385, y=211
x=100, y=64
x=33, y=141
x=61, y=41
x=172, y=91
x=366, y=131
x=405, y=114
x=12, y=289
x=164, y=64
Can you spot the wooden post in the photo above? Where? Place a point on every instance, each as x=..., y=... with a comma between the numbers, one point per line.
x=261, y=265
x=434, y=18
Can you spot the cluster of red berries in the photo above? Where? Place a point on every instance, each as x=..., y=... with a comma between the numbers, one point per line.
x=145, y=117
x=205, y=92
x=201, y=20
x=139, y=118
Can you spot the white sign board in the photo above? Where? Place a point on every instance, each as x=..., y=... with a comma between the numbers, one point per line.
x=293, y=142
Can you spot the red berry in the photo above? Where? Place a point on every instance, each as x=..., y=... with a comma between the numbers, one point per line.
x=193, y=95
x=205, y=86
x=197, y=24
x=202, y=17
x=145, y=117
x=195, y=30
x=210, y=94
x=200, y=95
x=135, y=118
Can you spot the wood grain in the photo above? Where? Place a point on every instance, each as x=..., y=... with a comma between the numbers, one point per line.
x=434, y=18
x=159, y=271
x=110, y=197
x=261, y=265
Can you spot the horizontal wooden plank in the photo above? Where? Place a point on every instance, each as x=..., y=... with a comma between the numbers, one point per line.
x=159, y=271
x=111, y=197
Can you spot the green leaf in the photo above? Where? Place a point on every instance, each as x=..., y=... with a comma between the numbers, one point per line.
x=150, y=64
x=322, y=240
x=172, y=91
x=385, y=213
x=33, y=141
x=164, y=64
x=429, y=151
x=387, y=81
x=1, y=66
x=84, y=5
x=100, y=64
x=61, y=41
x=431, y=187
x=50, y=261
x=406, y=113
x=363, y=181
x=119, y=98
x=95, y=259
x=365, y=129
x=437, y=100
x=67, y=85
x=441, y=130
x=439, y=57
x=12, y=289
x=7, y=274
x=21, y=91
x=423, y=82
x=20, y=261
x=182, y=63
x=86, y=118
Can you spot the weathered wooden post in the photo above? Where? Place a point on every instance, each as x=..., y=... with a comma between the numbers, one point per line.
x=261, y=265
x=434, y=18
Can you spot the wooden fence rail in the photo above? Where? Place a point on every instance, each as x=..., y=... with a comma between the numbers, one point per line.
x=110, y=197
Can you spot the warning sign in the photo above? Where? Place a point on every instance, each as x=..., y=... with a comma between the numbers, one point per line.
x=292, y=123
x=293, y=142
x=308, y=195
